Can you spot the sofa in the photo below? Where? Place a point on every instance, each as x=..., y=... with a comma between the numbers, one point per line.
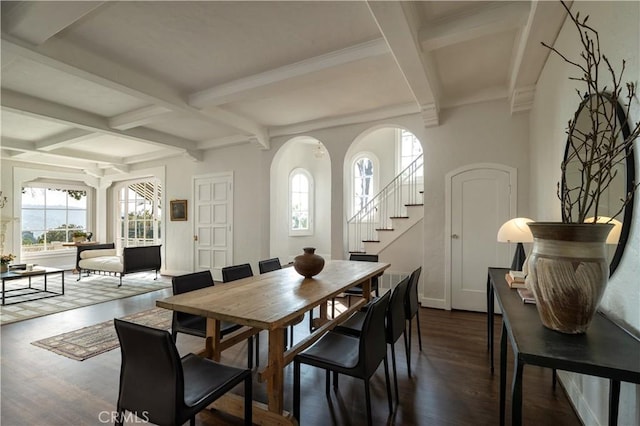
x=103, y=259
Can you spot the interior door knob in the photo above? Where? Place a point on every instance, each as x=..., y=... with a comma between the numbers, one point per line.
x=455, y=236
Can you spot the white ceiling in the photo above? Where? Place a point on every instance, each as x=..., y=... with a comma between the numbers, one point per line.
x=99, y=86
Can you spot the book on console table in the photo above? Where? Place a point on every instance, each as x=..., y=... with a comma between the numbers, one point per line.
x=514, y=282
x=526, y=295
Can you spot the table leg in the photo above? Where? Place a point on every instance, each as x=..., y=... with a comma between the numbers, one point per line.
x=503, y=372
x=614, y=397
x=3, y=291
x=45, y=282
x=516, y=393
x=212, y=341
x=490, y=312
x=275, y=381
x=62, y=282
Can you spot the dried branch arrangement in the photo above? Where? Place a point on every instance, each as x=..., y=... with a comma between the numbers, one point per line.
x=599, y=147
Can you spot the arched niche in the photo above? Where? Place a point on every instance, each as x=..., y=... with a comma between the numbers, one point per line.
x=307, y=153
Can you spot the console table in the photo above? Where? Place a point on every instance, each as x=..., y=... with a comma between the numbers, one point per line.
x=605, y=350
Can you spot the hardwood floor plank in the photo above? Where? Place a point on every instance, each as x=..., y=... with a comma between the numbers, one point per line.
x=451, y=383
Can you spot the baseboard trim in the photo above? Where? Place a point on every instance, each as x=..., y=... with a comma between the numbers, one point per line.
x=576, y=398
x=428, y=302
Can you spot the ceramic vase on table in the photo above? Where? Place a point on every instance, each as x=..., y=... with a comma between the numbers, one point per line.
x=308, y=264
x=568, y=272
x=4, y=267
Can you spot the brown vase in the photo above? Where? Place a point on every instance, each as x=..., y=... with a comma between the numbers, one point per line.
x=308, y=264
x=4, y=267
x=567, y=273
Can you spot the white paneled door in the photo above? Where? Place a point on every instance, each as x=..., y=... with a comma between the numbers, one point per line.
x=482, y=199
x=213, y=233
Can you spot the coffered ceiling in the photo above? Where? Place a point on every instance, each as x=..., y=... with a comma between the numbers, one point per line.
x=100, y=86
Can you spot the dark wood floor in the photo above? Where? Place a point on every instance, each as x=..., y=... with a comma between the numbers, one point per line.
x=452, y=383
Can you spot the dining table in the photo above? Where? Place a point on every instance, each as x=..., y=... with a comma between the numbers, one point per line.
x=270, y=302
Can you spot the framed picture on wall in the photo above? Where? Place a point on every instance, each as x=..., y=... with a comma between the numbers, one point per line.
x=178, y=209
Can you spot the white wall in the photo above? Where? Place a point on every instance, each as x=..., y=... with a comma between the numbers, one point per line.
x=555, y=103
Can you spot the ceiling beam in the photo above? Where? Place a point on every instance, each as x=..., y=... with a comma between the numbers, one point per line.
x=36, y=22
x=491, y=18
x=138, y=117
x=543, y=25
x=241, y=88
x=81, y=63
x=63, y=139
x=40, y=108
x=398, y=24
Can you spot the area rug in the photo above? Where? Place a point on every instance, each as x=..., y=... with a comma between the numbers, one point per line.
x=96, y=339
x=88, y=291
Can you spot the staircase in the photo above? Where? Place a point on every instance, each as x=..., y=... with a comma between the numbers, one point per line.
x=391, y=213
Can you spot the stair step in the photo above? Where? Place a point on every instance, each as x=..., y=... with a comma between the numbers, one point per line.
x=411, y=205
x=385, y=229
x=370, y=241
x=358, y=252
x=399, y=217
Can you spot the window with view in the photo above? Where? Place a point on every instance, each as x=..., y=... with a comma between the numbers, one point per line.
x=363, y=171
x=410, y=149
x=51, y=217
x=140, y=213
x=300, y=202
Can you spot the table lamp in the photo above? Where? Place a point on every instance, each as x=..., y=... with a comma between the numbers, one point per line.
x=614, y=234
x=516, y=231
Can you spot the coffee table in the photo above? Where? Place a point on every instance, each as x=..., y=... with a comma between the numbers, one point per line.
x=42, y=293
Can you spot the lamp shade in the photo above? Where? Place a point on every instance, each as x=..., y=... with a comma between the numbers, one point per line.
x=614, y=235
x=515, y=231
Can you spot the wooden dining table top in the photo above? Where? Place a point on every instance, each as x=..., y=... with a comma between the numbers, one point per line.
x=272, y=300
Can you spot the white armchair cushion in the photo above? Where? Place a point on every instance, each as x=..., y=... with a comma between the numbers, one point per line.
x=88, y=254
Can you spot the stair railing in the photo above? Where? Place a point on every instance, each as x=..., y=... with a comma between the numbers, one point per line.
x=404, y=190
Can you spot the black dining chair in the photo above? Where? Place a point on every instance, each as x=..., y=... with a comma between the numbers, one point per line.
x=160, y=387
x=394, y=327
x=196, y=325
x=357, y=290
x=411, y=307
x=269, y=265
x=357, y=357
x=238, y=272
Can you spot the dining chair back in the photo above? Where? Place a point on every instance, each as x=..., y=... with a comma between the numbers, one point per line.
x=196, y=325
x=411, y=308
x=160, y=387
x=357, y=357
x=238, y=272
x=394, y=328
x=269, y=265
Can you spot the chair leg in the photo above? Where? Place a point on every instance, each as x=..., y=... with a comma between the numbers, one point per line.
x=335, y=381
x=311, y=321
x=250, y=353
x=333, y=308
x=327, y=383
x=258, y=350
x=367, y=393
x=248, y=400
x=419, y=333
x=296, y=390
x=291, y=335
x=408, y=348
x=386, y=377
x=395, y=373
x=120, y=418
x=192, y=421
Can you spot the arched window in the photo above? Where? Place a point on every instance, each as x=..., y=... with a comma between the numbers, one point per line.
x=410, y=149
x=363, y=181
x=300, y=203
x=139, y=213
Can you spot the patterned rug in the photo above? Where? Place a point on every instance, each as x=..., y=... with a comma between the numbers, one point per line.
x=96, y=339
x=88, y=291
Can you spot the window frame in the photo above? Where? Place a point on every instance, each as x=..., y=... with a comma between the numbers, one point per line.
x=311, y=194
x=375, y=177
x=156, y=221
x=400, y=156
x=55, y=186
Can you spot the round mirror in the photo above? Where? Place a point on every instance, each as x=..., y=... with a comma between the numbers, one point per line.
x=620, y=186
